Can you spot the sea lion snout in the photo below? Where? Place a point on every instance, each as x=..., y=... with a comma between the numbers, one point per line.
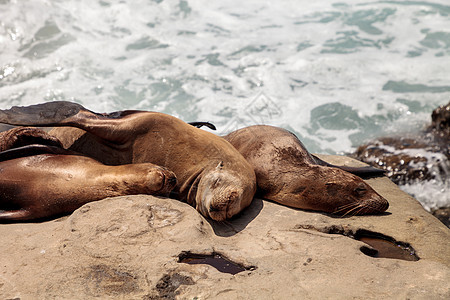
x=221, y=195
x=376, y=204
x=225, y=207
x=384, y=205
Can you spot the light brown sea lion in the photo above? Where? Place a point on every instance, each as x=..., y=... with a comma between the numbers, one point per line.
x=288, y=174
x=212, y=175
x=45, y=185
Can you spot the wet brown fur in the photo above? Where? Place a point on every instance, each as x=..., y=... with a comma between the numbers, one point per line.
x=212, y=176
x=46, y=185
x=288, y=174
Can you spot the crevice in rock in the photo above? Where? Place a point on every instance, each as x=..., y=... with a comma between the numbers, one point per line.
x=167, y=286
x=381, y=246
x=103, y=279
x=216, y=260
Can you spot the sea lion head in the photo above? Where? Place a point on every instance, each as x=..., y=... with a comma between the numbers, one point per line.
x=221, y=193
x=338, y=192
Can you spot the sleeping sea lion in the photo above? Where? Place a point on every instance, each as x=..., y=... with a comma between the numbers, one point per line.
x=288, y=174
x=212, y=175
x=45, y=185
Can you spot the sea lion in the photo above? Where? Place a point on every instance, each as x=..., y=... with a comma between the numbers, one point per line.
x=45, y=185
x=212, y=175
x=288, y=174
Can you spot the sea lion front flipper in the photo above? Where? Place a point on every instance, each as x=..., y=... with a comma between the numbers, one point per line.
x=44, y=114
x=31, y=150
x=201, y=124
x=363, y=172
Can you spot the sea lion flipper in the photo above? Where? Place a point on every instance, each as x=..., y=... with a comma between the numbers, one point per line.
x=201, y=124
x=44, y=114
x=364, y=172
x=31, y=150
x=14, y=215
x=64, y=113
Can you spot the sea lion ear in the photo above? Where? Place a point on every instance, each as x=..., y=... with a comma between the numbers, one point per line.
x=219, y=166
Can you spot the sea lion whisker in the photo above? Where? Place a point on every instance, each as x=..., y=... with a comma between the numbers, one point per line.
x=344, y=207
x=353, y=209
x=348, y=212
x=362, y=207
x=347, y=205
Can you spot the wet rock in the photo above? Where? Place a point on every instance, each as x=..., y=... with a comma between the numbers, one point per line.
x=443, y=214
x=440, y=122
x=129, y=248
x=409, y=159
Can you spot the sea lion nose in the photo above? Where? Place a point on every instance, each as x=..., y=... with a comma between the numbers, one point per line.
x=213, y=208
x=385, y=205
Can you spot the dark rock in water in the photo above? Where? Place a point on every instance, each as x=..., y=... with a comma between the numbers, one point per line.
x=409, y=159
x=440, y=122
x=406, y=159
x=443, y=214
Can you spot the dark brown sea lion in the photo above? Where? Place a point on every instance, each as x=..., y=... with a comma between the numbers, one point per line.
x=288, y=174
x=212, y=176
x=46, y=185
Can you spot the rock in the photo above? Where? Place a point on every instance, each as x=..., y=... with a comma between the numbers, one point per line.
x=129, y=248
x=424, y=156
x=407, y=159
x=440, y=122
x=443, y=214
x=411, y=159
x=4, y=127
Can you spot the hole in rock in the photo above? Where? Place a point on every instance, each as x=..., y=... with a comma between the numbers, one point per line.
x=385, y=246
x=215, y=260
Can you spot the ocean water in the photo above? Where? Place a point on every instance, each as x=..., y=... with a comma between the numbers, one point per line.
x=337, y=73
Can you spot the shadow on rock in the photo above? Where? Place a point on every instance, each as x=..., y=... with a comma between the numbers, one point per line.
x=239, y=222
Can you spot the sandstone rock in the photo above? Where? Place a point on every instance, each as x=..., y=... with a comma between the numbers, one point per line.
x=129, y=248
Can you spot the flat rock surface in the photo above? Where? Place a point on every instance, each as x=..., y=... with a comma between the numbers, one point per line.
x=129, y=248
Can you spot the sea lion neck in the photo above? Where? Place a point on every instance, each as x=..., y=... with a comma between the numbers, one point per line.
x=188, y=188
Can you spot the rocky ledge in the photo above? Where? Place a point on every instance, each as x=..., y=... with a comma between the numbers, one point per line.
x=144, y=247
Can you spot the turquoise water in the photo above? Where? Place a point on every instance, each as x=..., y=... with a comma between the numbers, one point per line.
x=335, y=73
